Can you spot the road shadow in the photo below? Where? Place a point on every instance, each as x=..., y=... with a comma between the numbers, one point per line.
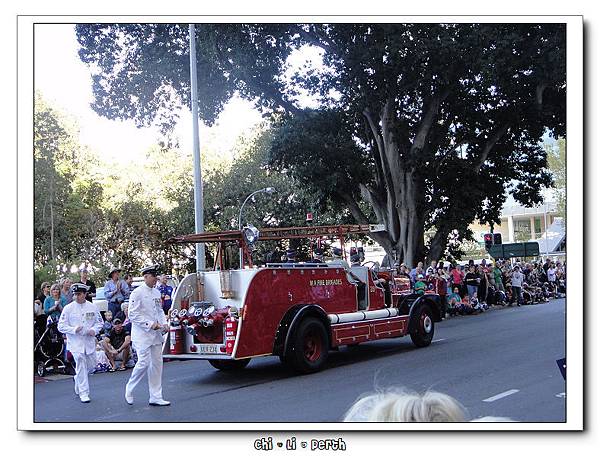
x=267, y=369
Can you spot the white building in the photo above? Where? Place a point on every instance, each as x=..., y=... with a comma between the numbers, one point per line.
x=519, y=223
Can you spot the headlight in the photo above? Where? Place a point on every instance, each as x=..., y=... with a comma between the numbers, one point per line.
x=250, y=234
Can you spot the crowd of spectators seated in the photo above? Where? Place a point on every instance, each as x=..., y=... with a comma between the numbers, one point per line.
x=465, y=288
x=472, y=288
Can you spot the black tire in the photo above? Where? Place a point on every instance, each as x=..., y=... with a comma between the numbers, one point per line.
x=40, y=369
x=423, y=326
x=309, y=346
x=229, y=365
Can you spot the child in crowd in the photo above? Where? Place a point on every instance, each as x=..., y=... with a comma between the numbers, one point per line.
x=107, y=323
x=420, y=285
x=465, y=306
x=454, y=303
x=102, y=363
x=478, y=306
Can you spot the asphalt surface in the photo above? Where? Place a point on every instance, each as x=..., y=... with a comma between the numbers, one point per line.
x=499, y=363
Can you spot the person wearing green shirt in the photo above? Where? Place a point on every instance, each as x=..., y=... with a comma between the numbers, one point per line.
x=454, y=301
x=497, y=273
x=420, y=285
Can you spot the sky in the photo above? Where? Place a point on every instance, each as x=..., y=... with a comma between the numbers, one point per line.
x=65, y=83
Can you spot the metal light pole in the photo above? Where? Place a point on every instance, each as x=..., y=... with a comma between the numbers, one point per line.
x=268, y=190
x=546, y=226
x=198, y=199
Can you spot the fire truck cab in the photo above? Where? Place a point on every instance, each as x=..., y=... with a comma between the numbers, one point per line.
x=297, y=311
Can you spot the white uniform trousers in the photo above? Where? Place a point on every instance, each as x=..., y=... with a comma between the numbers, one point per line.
x=149, y=361
x=84, y=365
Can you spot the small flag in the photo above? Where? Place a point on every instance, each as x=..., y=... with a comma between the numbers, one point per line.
x=562, y=366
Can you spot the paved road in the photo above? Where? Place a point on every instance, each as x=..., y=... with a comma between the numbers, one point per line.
x=500, y=363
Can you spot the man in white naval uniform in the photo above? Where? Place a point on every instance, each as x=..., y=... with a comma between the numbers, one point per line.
x=80, y=320
x=148, y=324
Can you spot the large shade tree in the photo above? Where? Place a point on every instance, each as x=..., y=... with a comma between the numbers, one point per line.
x=435, y=122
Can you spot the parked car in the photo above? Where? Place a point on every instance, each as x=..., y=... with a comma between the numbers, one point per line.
x=99, y=300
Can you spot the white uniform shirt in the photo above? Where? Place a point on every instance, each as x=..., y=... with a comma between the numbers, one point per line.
x=85, y=315
x=145, y=309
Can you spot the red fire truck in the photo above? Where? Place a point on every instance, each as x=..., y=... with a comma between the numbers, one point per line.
x=297, y=311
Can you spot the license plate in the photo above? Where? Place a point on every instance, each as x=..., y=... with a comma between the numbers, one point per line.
x=208, y=348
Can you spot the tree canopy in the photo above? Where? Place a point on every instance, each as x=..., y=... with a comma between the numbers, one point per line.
x=91, y=212
x=434, y=123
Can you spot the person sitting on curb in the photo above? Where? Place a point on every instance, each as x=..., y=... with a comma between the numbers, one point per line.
x=117, y=345
x=454, y=303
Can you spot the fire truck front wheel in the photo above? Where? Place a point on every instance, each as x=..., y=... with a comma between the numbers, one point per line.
x=229, y=365
x=423, y=326
x=309, y=346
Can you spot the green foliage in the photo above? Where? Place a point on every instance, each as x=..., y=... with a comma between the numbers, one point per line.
x=82, y=216
x=227, y=188
x=45, y=273
x=317, y=149
x=125, y=217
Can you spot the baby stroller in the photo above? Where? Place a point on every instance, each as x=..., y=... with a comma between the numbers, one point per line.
x=49, y=346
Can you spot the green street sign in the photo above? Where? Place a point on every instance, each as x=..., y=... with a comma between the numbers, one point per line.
x=514, y=250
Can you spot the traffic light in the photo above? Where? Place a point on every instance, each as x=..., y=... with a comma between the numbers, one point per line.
x=488, y=239
x=497, y=239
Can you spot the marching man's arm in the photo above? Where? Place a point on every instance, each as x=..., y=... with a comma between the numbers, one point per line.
x=135, y=314
x=63, y=323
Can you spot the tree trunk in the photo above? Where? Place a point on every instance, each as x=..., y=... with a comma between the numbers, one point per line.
x=438, y=245
x=399, y=198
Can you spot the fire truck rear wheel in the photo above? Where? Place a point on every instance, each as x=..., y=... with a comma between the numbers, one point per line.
x=310, y=346
x=423, y=328
x=229, y=365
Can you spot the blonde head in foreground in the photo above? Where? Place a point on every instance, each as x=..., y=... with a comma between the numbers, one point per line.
x=410, y=407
